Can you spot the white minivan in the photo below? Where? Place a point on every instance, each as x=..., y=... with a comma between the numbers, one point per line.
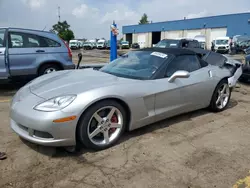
x=74, y=44
x=221, y=44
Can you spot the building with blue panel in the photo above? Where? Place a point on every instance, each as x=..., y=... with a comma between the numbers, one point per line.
x=212, y=27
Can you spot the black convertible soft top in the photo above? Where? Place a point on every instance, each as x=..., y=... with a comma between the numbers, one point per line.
x=210, y=57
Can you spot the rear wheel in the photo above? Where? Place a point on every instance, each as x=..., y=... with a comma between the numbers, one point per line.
x=48, y=68
x=221, y=96
x=102, y=125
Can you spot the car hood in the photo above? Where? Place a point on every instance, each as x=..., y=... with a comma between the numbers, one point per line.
x=72, y=82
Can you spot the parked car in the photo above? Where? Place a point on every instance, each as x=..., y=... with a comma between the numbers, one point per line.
x=135, y=46
x=202, y=41
x=101, y=44
x=88, y=46
x=108, y=45
x=241, y=47
x=221, y=44
x=74, y=44
x=95, y=107
x=247, y=51
x=124, y=45
x=245, y=77
x=37, y=53
x=94, y=45
x=178, y=43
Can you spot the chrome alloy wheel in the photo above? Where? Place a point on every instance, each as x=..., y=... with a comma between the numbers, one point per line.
x=105, y=125
x=223, y=94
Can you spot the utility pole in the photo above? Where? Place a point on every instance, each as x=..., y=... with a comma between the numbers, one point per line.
x=59, y=16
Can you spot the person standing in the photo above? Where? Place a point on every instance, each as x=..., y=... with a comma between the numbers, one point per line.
x=231, y=46
x=212, y=46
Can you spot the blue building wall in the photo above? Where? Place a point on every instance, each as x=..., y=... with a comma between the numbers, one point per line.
x=237, y=24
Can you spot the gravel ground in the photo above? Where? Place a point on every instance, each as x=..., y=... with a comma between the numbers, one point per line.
x=194, y=150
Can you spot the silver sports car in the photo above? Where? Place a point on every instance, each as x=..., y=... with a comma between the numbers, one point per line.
x=95, y=107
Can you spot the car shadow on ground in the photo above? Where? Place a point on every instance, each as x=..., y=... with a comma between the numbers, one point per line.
x=10, y=89
x=62, y=153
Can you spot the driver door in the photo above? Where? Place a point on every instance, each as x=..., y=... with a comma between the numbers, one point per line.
x=4, y=73
x=183, y=94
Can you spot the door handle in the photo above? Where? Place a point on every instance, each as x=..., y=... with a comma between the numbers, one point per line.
x=39, y=51
x=210, y=73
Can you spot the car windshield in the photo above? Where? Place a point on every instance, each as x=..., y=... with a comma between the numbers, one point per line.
x=221, y=42
x=73, y=43
x=100, y=43
x=140, y=65
x=167, y=44
x=124, y=42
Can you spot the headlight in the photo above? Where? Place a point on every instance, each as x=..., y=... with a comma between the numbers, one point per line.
x=56, y=103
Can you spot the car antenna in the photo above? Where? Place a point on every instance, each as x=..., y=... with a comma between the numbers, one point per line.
x=44, y=27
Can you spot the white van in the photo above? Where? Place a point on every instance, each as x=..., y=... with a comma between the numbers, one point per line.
x=202, y=41
x=74, y=44
x=101, y=44
x=221, y=44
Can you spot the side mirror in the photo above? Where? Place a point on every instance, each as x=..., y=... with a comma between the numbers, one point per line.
x=79, y=60
x=179, y=74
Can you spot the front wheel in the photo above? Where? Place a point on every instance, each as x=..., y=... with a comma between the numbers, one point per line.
x=221, y=96
x=102, y=125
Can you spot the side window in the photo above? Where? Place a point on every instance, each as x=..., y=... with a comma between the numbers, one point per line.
x=215, y=59
x=25, y=40
x=16, y=40
x=33, y=41
x=188, y=63
x=2, y=42
x=46, y=42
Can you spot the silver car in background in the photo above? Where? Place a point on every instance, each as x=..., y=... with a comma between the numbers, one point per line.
x=95, y=107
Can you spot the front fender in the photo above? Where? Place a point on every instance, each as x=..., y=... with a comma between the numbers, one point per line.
x=233, y=79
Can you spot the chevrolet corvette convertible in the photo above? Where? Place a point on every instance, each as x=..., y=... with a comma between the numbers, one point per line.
x=95, y=107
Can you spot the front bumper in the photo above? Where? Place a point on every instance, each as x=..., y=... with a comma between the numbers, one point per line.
x=237, y=74
x=125, y=47
x=38, y=127
x=222, y=50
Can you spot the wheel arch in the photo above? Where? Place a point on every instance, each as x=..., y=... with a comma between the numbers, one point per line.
x=117, y=99
x=224, y=78
x=57, y=63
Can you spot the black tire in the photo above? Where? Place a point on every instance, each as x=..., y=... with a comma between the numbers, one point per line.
x=42, y=69
x=82, y=127
x=213, y=107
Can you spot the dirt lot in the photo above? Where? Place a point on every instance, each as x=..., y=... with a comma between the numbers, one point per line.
x=94, y=56
x=195, y=150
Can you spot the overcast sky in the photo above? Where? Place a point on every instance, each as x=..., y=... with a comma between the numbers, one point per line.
x=92, y=18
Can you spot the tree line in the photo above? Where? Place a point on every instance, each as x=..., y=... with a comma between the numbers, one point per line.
x=62, y=29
